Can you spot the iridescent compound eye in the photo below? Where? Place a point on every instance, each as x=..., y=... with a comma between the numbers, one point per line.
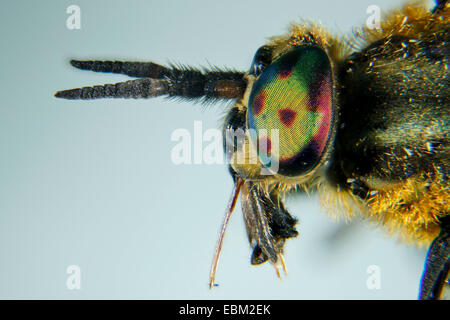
x=294, y=96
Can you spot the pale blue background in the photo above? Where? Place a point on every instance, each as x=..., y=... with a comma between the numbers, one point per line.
x=92, y=184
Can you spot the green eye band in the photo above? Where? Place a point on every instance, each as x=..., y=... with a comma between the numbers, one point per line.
x=294, y=96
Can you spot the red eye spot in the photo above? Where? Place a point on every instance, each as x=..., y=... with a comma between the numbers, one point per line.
x=265, y=141
x=258, y=103
x=287, y=116
x=287, y=65
x=285, y=72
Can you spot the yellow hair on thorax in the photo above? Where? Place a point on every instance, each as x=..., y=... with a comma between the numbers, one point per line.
x=413, y=20
x=412, y=207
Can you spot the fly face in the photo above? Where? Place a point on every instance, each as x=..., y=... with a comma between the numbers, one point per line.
x=293, y=96
x=393, y=121
x=288, y=114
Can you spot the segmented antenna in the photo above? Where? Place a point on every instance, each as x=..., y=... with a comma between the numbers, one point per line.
x=156, y=80
x=132, y=69
x=140, y=88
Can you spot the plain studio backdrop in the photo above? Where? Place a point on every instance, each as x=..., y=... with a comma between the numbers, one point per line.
x=91, y=183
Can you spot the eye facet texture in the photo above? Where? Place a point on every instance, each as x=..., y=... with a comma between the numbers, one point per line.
x=294, y=96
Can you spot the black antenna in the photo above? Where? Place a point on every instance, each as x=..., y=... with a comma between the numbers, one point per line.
x=157, y=80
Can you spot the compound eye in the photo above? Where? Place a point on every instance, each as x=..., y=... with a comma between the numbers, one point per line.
x=262, y=58
x=293, y=95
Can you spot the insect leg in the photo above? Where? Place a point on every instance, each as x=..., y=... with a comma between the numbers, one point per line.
x=437, y=264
